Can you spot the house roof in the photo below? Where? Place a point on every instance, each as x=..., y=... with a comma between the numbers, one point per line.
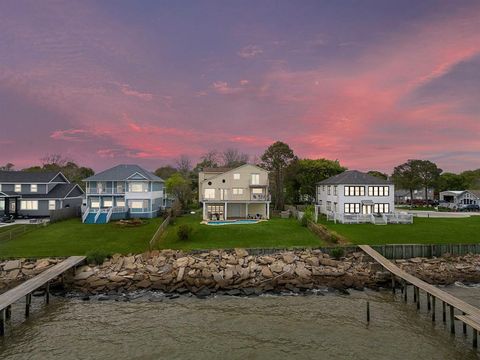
x=217, y=170
x=123, y=172
x=226, y=170
x=475, y=192
x=28, y=176
x=60, y=191
x=354, y=177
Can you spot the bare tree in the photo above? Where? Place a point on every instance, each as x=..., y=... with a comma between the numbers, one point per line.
x=184, y=165
x=233, y=158
x=54, y=160
x=7, y=167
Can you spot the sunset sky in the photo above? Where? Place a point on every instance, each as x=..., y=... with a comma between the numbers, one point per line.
x=370, y=83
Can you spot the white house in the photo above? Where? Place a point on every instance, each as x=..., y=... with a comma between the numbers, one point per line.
x=457, y=199
x=356, y=197
x=237, y=193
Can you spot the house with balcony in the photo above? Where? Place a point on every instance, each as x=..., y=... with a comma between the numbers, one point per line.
x=357, y=197
x=26, y=194
x=122, y=192
x=238, y=193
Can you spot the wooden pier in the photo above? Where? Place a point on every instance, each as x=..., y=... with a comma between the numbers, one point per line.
x=470, y=315
x=29, y=286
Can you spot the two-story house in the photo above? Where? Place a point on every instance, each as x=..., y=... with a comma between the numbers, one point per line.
x=35, y=194
x=354, y=196
x=239, y=193
x=124, y=191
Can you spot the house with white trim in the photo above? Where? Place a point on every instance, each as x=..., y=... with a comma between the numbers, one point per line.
x=35, y=194
x=121, y=192
x=456, y=199
x=234, y=193
x=357, y=197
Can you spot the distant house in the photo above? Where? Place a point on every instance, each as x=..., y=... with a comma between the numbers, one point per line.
x=356, y=197
x=124, y=191
x=237, y=193
x=456, y=199
x=402, y=196
x=35, y=194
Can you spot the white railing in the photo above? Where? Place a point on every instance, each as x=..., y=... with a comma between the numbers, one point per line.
x=391, y=218
x=109, y=215
x=85, y=214
x=97, y=215
x=120, y=209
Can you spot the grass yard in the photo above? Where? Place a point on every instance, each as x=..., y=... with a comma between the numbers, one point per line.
x=280, y=233
x=8, y=228
x=422, y=231
x=71, y=237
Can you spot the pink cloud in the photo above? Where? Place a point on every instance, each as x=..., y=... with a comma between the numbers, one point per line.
x=127, y=90
x=250, y=51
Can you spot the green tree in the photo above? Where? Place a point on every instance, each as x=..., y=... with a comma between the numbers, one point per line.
x=405, y=176
x=428, y=172
x=472, y=178
x=303, y=175
x=451, y=181
x=378, y=174
x=180, y=187
x=276, y=159
x=165, y=171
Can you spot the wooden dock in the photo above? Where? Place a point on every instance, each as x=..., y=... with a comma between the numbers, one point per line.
x=470, y=315
x=29, y=286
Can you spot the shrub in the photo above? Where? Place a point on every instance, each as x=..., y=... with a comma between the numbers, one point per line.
x=337, y=252
x=184, y=231
x=304, y=221
x=97, y=256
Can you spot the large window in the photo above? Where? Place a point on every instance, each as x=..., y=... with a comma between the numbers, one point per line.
x=329, y=205
x=354, y=190
x=137, y=204
x=381, y=208
x=335, y=190
x=237, y=191
x=95, y=203
x=257, y=191
x=33, y=188
x=138, y=187
x=209, y=194
x=2, y=204
x=236, y=176
x=255, y=179
x=329, y=191
x=29, y=205
x=107, y=203
x=18, y=188
x=353, y=208
x=51, y=205
x=121, y=203
x=378, y=191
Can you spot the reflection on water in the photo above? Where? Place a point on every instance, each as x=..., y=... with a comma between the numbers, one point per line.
x=266, y=327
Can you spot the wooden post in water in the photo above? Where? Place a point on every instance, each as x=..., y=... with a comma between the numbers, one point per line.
x=368, y=312
x=2, y=322
x=464, y=326
x=47, y=293
x=452, y=319
x=433, y=308
x=474, y=336
x=28, y=301
x=428, y=302
x=405, y=296
x=393, y=284
x=444, y=310
x=414, y=293
x=418, y=298
x=8, y=312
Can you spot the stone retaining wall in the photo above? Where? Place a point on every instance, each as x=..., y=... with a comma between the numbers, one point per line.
x=203, y=273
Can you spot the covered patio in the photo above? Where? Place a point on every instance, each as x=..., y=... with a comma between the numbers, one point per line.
x=236, y=210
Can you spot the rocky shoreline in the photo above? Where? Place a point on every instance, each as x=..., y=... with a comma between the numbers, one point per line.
x=239, y=273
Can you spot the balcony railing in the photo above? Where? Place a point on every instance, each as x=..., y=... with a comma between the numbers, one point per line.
x=105, y=191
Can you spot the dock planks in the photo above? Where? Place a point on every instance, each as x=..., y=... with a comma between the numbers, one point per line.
x=26, y=288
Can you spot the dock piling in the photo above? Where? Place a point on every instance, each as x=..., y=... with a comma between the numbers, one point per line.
x=28, y=302
x=444, y=310
x=418, y=298
x=405, y=296
x=452, y=319
x=474, y=338
x=464, y=326
x=2, y=322
x=433, y=308
x=428, y=302
x=47, y=293
x=8, y=312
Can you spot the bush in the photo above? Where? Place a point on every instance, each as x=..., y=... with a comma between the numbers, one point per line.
x=184, y=231
x=97, y=256
x=304, y=221
x=337, y=252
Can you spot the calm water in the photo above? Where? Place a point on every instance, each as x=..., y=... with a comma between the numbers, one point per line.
x=268, y=327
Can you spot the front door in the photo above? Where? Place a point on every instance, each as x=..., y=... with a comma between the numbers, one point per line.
x=366, y=209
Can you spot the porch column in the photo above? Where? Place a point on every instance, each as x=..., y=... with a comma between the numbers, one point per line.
x=268, y=211
x=225, y=212
x=204, y=208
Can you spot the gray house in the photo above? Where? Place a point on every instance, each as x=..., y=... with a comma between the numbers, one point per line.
x=458, y=199
x=121, y=192
x=34, y=194
x=357, y=197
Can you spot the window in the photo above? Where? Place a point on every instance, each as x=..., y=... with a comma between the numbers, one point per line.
x=209, y=194
x=329, y=191
x=33, y=188
x=257, y=191
x=136, y=204
x=120, y=188
x=255, y=179
x=18, y=188
x=2, y=204
x=354, y=190
x=137, y=187
x=29, y=205
x=107, y=203
x=329, y=205
x=121, y=203
x=351, y=208
x=237, y=191
x=51, y=205
x=236, y=176
x=335, y=190
x=378, y=191
x=95, y=203
x=381, y=208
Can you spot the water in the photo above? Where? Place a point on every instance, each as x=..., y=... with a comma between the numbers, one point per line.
x=235, y=222
x=267, y=327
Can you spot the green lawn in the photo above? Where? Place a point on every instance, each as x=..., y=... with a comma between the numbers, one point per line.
x=8, y=228
x=71, y=237
x=422, y=231
x=280, y=233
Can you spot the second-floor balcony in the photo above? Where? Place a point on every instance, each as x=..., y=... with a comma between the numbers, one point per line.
x=107, y=191
x=239, y=198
